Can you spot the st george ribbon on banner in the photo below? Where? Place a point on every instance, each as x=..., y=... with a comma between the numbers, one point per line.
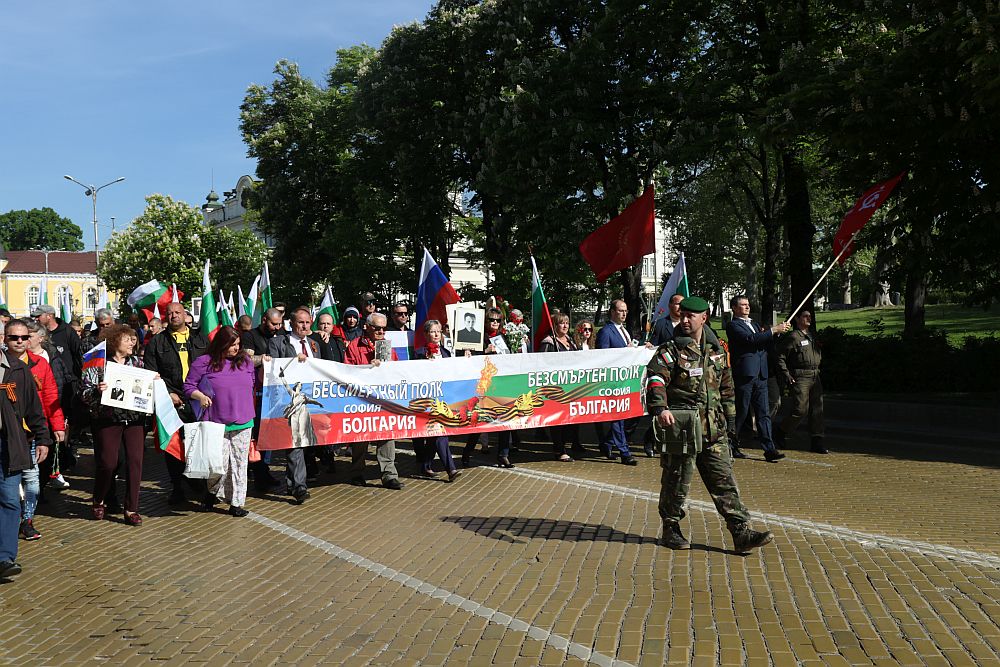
x=325, y=402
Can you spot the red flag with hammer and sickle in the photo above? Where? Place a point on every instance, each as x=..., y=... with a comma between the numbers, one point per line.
x=860, y=214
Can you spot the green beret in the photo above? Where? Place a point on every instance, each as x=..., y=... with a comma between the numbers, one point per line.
x=694, y=304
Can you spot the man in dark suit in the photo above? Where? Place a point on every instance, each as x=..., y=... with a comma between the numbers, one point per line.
x=663, y=328
x=749, y=344
x=615, y=335
x=303, y=344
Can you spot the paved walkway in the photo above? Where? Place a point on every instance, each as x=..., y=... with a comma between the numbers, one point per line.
x=883, y=554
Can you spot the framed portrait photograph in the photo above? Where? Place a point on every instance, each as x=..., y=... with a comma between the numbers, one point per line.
x=468, y=327
x=128, y=387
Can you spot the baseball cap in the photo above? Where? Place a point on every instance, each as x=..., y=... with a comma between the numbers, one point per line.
x=43, y=308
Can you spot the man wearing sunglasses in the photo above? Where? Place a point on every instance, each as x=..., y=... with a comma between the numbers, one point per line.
x=361, y=352
x=21, y=420
x=400, y=317
x=367, y=302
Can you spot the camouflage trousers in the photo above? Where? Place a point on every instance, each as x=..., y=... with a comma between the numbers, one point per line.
x=807, y=400
x=716, y=469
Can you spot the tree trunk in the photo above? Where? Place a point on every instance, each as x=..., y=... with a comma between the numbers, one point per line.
x=916, y=284
x=848, y=274
x=750, y=281
x=769, y=284
x=631, y=282
x=799, y=228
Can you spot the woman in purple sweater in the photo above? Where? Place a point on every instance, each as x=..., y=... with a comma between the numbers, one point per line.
x=221, y=380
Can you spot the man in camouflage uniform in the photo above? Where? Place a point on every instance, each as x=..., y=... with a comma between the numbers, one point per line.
x=799, y=358
x=692, y=372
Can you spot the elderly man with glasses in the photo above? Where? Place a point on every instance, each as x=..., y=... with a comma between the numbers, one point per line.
x=362, y=352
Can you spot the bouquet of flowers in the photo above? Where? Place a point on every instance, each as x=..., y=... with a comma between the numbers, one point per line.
x=516, y=334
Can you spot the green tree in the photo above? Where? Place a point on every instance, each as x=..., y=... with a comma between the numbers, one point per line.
x=39, y=228
x=170, y=242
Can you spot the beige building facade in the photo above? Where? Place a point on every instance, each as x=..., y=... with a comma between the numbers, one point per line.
x=24, y=273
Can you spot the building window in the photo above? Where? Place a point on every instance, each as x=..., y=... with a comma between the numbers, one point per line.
x=33, y=293
x=92, y=299
x=649, y=267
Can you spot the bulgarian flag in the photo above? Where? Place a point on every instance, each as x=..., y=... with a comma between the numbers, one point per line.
x=241, y=303
x=541, y=320
x=3, y=299
x=676, y=284
x=225, y=320
x=250, y=305
x=329, y=306
x=168, y=422
x=65, y=308
x=176, y=298
x=43, y=292
x=264, y=301
x=209, y=318
x=104, y=301
x=148, y=295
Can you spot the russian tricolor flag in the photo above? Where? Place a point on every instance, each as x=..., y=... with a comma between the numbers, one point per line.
x=95, y=358
x=434, y=293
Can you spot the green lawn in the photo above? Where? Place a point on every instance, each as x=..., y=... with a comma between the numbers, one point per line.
x=958, y=321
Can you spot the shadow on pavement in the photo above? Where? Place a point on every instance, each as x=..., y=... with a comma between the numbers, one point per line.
x=509, y=529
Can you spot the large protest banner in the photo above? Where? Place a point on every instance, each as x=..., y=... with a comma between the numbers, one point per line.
x=323, y=402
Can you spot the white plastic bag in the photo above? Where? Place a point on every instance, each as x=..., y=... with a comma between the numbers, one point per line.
x=203, y=450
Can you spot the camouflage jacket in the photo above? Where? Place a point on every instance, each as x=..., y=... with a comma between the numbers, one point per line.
x=673, y=381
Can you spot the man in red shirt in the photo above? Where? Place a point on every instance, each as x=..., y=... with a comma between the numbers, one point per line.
x=361, y=352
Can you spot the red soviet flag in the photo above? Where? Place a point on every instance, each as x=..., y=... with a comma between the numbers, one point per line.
x=624, y=241
x=859, y=215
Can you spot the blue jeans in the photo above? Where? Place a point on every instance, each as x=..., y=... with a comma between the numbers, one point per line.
x=10, y=511
x=29, y=480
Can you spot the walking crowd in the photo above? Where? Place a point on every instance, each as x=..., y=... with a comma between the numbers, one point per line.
x=700, y=397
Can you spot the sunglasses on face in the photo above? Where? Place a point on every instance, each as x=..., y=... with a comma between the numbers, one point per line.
x=401, y=314
x=494, y=319
x=369, y=302
x=375, y=328
x=17, y=337
x=586, y=330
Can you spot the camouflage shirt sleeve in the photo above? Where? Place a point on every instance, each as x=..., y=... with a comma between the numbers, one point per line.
x=727, y=392
x=658, y=378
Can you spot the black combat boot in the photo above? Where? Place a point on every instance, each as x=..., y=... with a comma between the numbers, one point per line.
x=746, y=539
x=673, y=538
x=817, y=445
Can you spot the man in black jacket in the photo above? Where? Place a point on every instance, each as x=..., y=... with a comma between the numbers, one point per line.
x=170, y=353
x=19, y=407
x=255, y=341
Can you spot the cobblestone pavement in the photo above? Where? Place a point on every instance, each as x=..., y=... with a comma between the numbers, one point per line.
x=884, y=553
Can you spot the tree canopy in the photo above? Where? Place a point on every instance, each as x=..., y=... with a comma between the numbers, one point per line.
x=170, y=242
x=517, y=124
x=39, y=228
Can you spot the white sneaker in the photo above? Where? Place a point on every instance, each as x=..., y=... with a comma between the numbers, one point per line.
x=58, y=482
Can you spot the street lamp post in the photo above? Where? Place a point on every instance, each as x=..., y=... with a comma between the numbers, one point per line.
x=91, y=192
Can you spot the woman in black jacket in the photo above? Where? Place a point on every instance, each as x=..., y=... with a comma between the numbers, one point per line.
x=425, y=448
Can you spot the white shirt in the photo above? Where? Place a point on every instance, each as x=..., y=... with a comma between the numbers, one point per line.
x=297, y=344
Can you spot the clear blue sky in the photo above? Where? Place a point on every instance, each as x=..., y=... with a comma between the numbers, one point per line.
x=151, y=92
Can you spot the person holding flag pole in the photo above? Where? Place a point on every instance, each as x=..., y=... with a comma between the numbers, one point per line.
x=852, y=224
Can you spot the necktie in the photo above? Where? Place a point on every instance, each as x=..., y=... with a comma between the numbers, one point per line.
x=303, y=342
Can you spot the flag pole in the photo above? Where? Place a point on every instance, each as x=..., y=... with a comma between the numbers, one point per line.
x=822, y=277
